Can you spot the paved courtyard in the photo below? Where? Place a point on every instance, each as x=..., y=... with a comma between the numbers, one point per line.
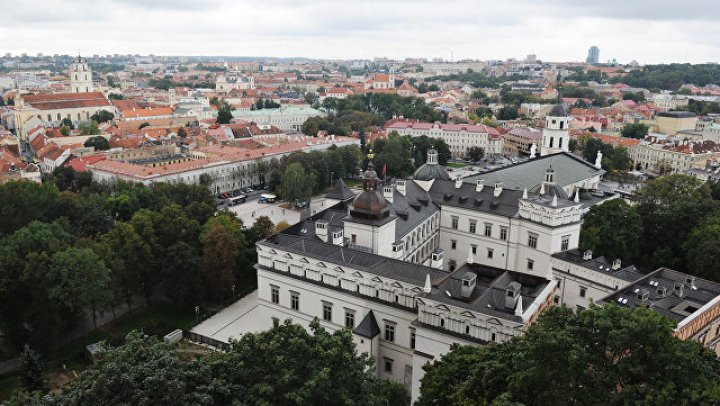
x=235, y=320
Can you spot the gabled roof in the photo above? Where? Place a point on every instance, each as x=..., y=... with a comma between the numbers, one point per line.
x=368, y=327
x=340, y=192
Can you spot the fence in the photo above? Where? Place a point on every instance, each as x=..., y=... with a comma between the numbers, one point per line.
x=201, y=339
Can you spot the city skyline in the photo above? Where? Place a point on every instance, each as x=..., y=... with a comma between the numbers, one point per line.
x=557, y=30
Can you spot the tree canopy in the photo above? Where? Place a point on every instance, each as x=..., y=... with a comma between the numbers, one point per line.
x=99, y=143
x=612, y=229
x=286, y=365
x=634, y=130
x=602, y=355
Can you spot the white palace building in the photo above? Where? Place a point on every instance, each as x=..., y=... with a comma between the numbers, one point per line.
x=414, y=266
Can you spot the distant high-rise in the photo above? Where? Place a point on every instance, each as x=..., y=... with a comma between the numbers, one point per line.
x=593, y=55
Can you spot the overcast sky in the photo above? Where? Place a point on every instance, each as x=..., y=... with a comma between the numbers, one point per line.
x=649, y=31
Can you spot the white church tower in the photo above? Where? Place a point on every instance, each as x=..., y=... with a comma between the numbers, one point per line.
x=81, y=77
x=556, y=134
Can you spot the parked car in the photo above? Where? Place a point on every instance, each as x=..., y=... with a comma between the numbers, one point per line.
x=249, y=189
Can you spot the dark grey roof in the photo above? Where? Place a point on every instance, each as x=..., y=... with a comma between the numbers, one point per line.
x=340, y=192
x=412, y=209
x=695, y=294
x=677, y=114
x=568, y=168
x=430, y=171
x=558, y=110
x=356, y=259
x=488, y=296
x=600, y=264
x=466, y=196
x=368, y=327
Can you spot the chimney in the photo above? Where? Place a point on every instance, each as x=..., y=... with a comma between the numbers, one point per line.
x=321, y=230
x=400, y=187
x=679, y=289
x=643, y=295
x=428, y=284
x=587, y=255
x=662, y=291
x=519, y=307
x=690, y=282
x=388, y=193
x=616, y=264
x=498, y=189
x=479, y=185
x=458, y=183
x=512, y=293
x=470, y=258
x=469, y=281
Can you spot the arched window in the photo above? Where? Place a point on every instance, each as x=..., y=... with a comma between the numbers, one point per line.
x=560, y=141
x=562, y=124
x=552, y=141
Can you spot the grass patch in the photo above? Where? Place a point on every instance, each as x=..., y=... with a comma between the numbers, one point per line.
x=456, y=165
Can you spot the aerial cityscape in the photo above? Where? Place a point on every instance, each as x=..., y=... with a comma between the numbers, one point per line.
x=396, y=203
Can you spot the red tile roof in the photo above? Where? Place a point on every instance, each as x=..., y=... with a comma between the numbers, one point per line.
x=66, y=100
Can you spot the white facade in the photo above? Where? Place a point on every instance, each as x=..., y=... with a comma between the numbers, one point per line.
x=458, y=137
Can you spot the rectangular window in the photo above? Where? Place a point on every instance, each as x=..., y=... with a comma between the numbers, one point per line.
x=583, y=291
x=353, y=238
x=565, y=243
x=474, y=248
x=349, y=319
x=490, y=253
x=412, y=338
x=390, y=332
x=556, y=300
x=453, y=244
x=327, y=311
x=532, y=240
x=473, y=225
x=275, y=294
x=388, y=365
x=454, y=222
x=488, y=230
x=295, y=301
x=530, y=264
x=503, y=233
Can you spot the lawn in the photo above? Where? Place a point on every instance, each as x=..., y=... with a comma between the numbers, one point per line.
x=456, y=165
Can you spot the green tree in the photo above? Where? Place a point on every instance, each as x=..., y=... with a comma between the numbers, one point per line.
x=508, y=113
x=22, y=202
x=612, y=229
x=297, y=184
x=393, y=152
x=703, y=247
x=33, y=375
x=328, y=372
x=634, y=130
x=79, y=280
x=66, y=122
x=224, y=113
x=65, y=131
x=102, y=116
x=99, y=143
x=129, y=257
x=602, y=355
x=264, y=226
x=89, y=128
x=220, y=250
x=475, y=153
x=670, y=207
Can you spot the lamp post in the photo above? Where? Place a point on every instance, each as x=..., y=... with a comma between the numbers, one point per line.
x=233, y=291
x=197, y=315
